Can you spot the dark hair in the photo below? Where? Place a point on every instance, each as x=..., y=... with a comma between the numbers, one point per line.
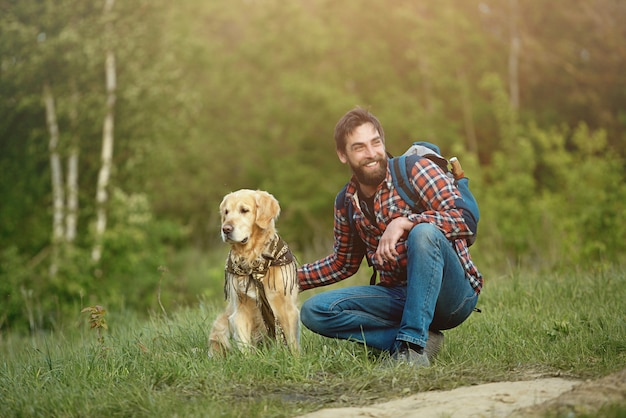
x=352, y=120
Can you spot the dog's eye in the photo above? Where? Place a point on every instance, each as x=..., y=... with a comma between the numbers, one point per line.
x=225, y=211
x=244, y=210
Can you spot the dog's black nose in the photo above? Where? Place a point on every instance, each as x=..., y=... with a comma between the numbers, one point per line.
x=227, y=229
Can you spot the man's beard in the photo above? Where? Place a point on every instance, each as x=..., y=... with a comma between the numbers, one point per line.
x=368, y=177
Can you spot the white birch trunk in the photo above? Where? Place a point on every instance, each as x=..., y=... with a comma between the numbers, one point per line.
x=107, y=144
x=71, y=219
x=72, y=173
x=57, y=178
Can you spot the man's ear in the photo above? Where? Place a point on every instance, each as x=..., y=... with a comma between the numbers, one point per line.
x=267, y=209
x=342, y=156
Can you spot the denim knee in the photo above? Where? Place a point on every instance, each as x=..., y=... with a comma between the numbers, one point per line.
x=423, y=234
x=308, y=314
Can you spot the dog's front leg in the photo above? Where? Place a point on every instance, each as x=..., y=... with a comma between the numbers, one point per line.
x=242, y=323
x=220, y=334
x=289, y=320
x=287, y=314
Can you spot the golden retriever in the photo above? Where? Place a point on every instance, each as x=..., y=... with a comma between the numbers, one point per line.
x=261, y=286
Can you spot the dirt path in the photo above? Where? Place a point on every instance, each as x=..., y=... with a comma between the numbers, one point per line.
x=502, y=399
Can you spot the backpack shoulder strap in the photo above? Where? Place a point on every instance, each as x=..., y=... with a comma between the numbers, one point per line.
x=342, y=202
x=400, y=170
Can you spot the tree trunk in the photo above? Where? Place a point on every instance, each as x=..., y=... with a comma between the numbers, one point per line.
x=72, y=172
x=107, y=142
x=57, y=178
x=471, y=143
x=514, y=53
x=468, y=117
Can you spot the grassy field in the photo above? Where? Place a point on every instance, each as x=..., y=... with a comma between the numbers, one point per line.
x=566, y=324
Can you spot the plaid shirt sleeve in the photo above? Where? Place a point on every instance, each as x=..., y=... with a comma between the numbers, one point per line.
x=344, y=261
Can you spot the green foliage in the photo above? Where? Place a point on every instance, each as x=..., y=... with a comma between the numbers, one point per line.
x=33, y=300
x=550, y=197
x=556, y=198
x=216, y=96
x=15, y=282
x=135, y=246
x=598, y=208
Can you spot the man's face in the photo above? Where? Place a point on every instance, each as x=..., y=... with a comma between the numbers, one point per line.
x=365, y=153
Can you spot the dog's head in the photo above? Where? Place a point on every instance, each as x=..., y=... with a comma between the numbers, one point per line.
x=245, y=213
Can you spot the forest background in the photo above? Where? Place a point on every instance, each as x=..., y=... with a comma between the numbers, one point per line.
x=124, y=123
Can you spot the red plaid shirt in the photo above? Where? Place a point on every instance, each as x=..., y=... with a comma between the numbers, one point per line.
x=437, y=192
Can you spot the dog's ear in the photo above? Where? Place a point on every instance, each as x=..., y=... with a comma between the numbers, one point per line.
x=267, y=209
x=221, y=207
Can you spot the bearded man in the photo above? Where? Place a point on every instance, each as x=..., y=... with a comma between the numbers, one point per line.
x=428, y=281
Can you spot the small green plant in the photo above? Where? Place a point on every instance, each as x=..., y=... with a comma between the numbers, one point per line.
x=97, y=320
x=163, y=270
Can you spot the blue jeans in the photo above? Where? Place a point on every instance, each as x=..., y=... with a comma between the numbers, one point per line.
x=437, y=296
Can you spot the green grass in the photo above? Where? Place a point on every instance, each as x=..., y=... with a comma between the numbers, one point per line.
x=567, y=324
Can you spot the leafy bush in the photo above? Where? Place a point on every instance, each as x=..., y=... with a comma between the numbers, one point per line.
x=14, y=289
x=135, y=247
x=554, y=198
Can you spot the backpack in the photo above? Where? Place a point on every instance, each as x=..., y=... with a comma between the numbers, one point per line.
x=401, y=166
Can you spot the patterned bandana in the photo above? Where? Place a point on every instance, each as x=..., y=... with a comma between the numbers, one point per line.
x=275, y=253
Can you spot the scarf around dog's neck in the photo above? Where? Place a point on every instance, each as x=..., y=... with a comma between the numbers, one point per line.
x=275, y=253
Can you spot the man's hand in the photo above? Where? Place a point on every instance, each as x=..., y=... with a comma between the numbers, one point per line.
x=387, y=245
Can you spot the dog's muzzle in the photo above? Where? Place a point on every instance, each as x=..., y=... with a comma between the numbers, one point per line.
x=227, y=231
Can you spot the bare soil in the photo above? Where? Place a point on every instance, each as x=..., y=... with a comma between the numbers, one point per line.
x=531, y=398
